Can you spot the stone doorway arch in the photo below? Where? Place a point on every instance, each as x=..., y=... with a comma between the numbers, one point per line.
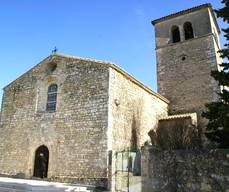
x=41, y=162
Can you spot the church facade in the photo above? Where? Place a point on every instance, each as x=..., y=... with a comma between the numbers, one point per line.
x=76, y=110
x=76, y=113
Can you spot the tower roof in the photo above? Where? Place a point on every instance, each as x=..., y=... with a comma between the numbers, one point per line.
x=186, y=11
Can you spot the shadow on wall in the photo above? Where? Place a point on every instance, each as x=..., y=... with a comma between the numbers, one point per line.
x=175, y=134
x=135, y=163
x=134, y=136
x=135, y=128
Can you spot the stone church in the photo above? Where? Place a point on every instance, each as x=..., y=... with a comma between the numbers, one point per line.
x=76, y=113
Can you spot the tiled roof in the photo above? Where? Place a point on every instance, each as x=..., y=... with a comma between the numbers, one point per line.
x=193, y=117
x=179, y=116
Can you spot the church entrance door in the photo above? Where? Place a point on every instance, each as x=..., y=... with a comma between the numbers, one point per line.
x=41, y=162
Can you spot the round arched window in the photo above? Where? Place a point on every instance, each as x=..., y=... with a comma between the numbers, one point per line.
x=175, y=34
x=188, y=31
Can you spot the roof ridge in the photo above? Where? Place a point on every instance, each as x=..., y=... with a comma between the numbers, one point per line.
x=82, y=58
x=109, y=64
x=120, y=70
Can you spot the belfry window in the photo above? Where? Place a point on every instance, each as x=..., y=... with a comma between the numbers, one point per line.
x=175, y=34
x=188, y=31
x=52, y=97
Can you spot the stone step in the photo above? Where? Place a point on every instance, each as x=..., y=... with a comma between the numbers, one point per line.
x=14, y=186
x=4, y=189
x=9, y=188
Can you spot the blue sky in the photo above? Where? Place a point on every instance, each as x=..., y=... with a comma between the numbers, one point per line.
x=112, y=30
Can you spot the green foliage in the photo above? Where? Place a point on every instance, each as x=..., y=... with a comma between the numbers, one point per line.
x=218, y=112
x=224, y=12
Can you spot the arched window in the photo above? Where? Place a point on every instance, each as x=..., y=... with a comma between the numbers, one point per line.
x=188, y=31
x=175, y=34
x=52, y=97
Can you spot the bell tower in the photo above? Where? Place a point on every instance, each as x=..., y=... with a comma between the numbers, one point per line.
x=186, y=48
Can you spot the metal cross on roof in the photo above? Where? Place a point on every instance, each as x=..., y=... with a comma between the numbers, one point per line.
x=54, y=51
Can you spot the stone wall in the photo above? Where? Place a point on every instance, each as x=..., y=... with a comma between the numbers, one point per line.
x=176, y=132
x=184, y=68
x=198, y=18
x=76, y=134
x=100, y=110
x=185, y=170
x=188, y=83
x=133, y=112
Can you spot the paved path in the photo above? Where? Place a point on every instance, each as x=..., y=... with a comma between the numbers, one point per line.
x=25, y=185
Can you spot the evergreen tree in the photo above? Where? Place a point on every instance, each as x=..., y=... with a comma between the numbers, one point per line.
x=218, y=112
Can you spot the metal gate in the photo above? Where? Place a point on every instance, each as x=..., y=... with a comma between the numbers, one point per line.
x=128, y=171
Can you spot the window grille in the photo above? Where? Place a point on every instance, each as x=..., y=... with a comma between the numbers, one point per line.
x=52, y=98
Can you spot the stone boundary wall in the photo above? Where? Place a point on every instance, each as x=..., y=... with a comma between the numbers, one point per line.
x=185, y=170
